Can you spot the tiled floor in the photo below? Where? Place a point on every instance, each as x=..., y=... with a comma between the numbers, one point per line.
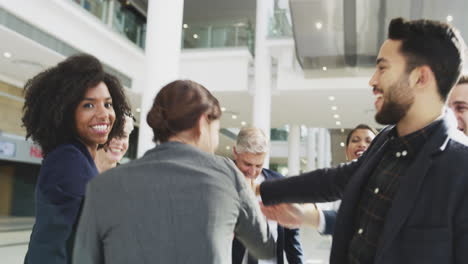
x=14, y=237
x=15, y=232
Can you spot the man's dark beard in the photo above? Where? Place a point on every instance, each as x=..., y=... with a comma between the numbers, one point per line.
x=393, y=111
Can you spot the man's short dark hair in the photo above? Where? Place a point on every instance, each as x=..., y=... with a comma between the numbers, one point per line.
x=432, y=43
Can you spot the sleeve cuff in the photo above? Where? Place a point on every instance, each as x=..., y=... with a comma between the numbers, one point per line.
x=322, y=223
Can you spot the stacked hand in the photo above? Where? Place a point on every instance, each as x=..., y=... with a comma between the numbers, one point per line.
x=292, y=215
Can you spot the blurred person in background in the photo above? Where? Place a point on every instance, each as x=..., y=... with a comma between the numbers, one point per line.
x=112, y=153
x=458, y=102
x=249, y=155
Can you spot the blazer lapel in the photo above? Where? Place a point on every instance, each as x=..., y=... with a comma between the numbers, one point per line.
x=344, y=227
x=410, y=186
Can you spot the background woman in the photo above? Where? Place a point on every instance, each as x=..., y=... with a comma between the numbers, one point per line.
x=179, y=203
x=110, y=154
x=358, y=140
x=69, y=112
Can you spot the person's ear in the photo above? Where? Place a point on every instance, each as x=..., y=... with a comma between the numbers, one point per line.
x=422, y=77
x=202, y=125
x=234, y=152
x=198, y=129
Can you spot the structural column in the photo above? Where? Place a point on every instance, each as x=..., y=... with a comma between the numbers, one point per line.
x=163, y=45
x=262, y=89
x=311, y=148
x=294, y=150
x=321, y=148
x=324, y=148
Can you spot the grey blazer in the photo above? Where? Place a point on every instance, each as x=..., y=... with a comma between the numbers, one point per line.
x=176, y=204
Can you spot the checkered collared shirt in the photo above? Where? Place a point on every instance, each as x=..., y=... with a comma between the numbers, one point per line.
x=377, y=196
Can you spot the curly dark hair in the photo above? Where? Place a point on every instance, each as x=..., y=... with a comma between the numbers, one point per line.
x=432, y=43
x=52, y=96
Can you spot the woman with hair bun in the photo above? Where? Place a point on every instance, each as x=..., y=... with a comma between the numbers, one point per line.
x=179, y=203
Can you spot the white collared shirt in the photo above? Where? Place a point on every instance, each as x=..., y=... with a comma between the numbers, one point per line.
x=272, y=225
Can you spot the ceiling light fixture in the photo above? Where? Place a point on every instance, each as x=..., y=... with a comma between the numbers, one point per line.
x=185, y=26
x=336, y=116
x=334, y=108
x=324, y=68
x=338, y=123
x=318, y=25
x=7, y=55
x=228, y=147
x=331, y=98
x=243, y=123
x=234, y=116
x=138, y=110
x=195, y=36
x=342, y=144
x=449, y=18
x=223, y=109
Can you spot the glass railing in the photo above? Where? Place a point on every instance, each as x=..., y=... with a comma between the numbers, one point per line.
x=279, y=134
x=280, y=24
x=132, y=25
x=129, y=23
x=218, y=36
x=99, y=8
x=119, y=17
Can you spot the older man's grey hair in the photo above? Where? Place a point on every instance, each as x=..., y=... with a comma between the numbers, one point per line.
x=251, y=140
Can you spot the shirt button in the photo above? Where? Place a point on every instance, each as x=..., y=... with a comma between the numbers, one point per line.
x=376, y=190
x=404, y=153
x=360, y=231
x=398, y=154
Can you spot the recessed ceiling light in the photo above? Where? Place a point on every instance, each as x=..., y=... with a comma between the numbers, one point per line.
x=234, y=116
x=318, y=25
x=7, y=55
x=334, y=108
x=228, y=147
x=449, y=18
x=223, y=109
x=195, y=36
x=338, y=123
x=138, y=110
x=185, y=26
x=342, y=144
x=331, y=98
x=243, y=123
x=324, y=68
x=342, y=130
x=336, y=116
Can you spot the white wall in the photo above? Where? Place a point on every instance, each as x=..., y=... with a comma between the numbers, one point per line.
x=217, y=69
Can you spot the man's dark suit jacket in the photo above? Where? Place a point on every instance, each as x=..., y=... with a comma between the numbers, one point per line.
x=428, y=220
x=288, y=239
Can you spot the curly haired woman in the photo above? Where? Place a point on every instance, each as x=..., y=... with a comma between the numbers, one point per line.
x=69, y=110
